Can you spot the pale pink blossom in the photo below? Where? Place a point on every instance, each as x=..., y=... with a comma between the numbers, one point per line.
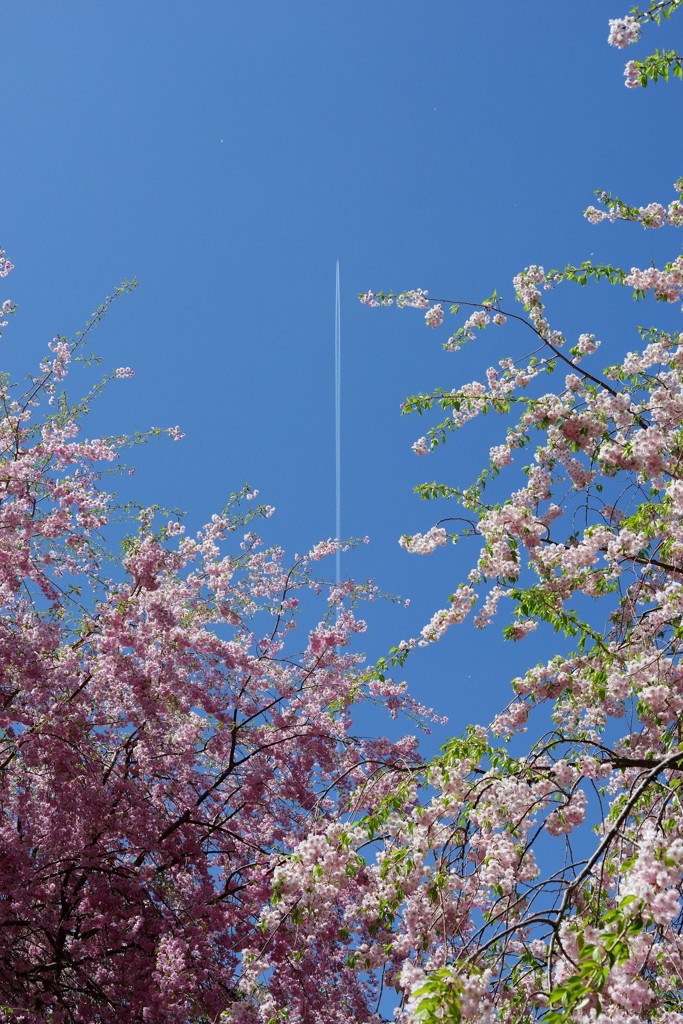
x=425, y=544
x=460, y=605
x=5, y=265
x=434, y=316
x=422, y=446
x=587, y=344
x=417, y=298
x=623, y=31
x=632, y=75
x=477, y=320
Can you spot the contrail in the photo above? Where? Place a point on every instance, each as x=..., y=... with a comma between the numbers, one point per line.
x=337, y=417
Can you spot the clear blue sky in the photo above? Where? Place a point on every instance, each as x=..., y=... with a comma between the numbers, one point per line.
x=227, y=153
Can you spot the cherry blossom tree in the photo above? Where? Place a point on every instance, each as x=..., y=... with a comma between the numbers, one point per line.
x=533, y=871
x=661, y=63
x=190, y=830
x=165, y=741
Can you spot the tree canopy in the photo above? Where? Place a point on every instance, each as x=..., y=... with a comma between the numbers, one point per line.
x=193, y=832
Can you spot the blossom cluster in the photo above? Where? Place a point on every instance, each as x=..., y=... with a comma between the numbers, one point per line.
x=5, y=265
x=626, y=31
x=623, y=31
x=632, y=75
x=166, y=749
x=596, y=514
x=421, y=446
x=434, y=315
x=654, y=215
x=415, y=298
x=460, y=606
x=7, y=306
x=666, y=284
x=425, y=543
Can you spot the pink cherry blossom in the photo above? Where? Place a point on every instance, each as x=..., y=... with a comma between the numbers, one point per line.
x=425, y=544
x=422, y=446
x=5, y=265
x=169, y=750
x=623, y=31
x=434, y=315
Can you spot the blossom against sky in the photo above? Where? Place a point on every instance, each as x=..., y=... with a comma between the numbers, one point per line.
x=227, y=154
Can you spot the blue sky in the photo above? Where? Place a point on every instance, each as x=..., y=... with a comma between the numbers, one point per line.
x=228, y=153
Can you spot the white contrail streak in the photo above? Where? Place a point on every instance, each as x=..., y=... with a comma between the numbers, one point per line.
x=337, y=417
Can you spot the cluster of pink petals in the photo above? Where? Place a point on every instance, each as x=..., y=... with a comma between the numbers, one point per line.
x=587, y=344
x=416, y=298
x=425, y=543
x=623, y=31
x=573, y=530
x=459, y=608
x=667, y=284
x=7, y=305
x=654, y=215
x=434, y=315
x=479, y=319
x=165, y=750
x=5, y=264
x=324, y=548
x=632, y=75
x=527, y=292
x=654, y=877
x=422, y=446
